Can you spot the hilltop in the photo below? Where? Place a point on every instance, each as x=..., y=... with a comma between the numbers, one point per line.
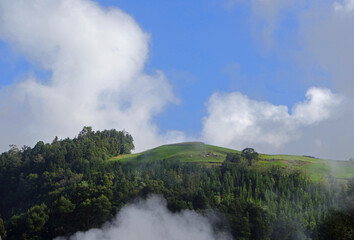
x=212, y=156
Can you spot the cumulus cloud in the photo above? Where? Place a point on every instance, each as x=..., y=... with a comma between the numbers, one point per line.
x=326, y=33
x=150, y=219
x=236, y=121
x=320, y=105
x=95, y=58
x=323, y=37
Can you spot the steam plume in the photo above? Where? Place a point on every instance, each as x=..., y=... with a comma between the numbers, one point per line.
x=150, y=220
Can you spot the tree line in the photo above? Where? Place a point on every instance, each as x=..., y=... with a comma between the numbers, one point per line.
x=70, y=185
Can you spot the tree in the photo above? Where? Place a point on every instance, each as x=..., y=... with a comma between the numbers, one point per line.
x=64, y=206
x=250, y=154
x=200, y=201
x=61, y=210
x=235, y=158
x=16, y=227
x=85, y=131
x=338, y=225
x=101, y=209
x=36, y=218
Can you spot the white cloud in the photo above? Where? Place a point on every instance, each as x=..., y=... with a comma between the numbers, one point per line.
x=327, y=35
x=96, y=58
x=321, y=48
x=346, y=6
x=323, y=34
x=151, y=220
x=320, y=105
x=236, y=121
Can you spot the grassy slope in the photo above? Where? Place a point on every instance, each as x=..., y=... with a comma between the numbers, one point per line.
x=208, y=155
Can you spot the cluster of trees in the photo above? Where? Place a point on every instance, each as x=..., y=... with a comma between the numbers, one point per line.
x=67, y=186
x=247, y=157
x=36, y=181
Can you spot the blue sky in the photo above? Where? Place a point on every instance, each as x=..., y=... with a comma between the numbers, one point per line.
x=194, y=44
x=210, y=64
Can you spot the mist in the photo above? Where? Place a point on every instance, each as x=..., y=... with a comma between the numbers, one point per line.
x=151, y=220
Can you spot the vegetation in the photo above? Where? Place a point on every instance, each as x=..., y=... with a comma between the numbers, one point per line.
x=318, y=170
x=75, y=184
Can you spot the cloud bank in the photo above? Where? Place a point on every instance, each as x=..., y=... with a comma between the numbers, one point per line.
x=95, y=58
x=236, y=121
x=321, y=48
x=151, y=220
x=327, y=34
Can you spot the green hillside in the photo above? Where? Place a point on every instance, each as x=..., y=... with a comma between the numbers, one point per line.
x=196, y=152
x=208, y=155
x=59, y=188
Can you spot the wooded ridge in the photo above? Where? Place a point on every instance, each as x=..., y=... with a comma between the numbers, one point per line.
x=59, y=188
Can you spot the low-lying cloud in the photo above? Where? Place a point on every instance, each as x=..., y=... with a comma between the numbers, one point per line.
x=151, y=220
x=236, y=121
x=95, y=58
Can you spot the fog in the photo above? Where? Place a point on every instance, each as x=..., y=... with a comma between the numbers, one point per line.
x=151, y=220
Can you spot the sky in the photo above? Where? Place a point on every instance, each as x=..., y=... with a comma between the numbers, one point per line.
x=275, y=75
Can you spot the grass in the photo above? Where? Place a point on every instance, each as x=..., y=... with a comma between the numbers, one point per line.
x=288, y=158
x=213, y=156
x=186, y=152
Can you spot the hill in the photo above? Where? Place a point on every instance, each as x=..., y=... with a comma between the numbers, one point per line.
x=209, y=155
x=59, y=188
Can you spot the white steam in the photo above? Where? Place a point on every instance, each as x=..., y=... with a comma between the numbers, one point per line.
x=151, y=220
x=95, y=57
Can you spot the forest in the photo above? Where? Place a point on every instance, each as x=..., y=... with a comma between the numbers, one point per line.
x=69, y=185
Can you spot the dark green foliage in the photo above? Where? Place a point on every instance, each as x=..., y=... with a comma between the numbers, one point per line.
x=339, y=225
x=36, y=218
x=250, y=154
x=2, y=229
x=284, y=229
x=16, y=227
x=48, y=174
x=67, y=186
x=235, y=158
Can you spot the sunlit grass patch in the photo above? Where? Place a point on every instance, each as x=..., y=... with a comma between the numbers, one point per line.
x=213, y=156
